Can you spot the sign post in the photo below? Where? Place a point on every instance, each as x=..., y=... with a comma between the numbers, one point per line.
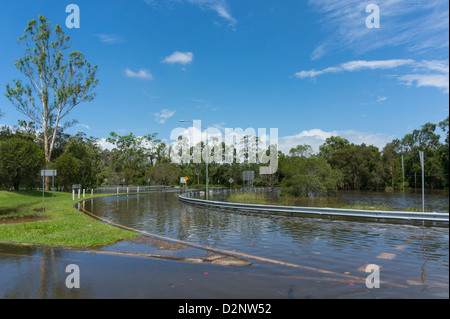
x=44, y=173
x=183, y=180
x=423, y=181
x=249, y=177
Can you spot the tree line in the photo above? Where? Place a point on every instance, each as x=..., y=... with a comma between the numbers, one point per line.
x=146, y=160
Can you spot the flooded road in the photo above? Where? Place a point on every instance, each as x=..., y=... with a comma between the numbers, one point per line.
x=293, y=257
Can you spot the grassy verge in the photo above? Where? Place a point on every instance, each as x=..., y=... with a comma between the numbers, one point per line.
x=24, y=218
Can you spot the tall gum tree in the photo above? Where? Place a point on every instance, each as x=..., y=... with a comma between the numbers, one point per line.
x=57, y=80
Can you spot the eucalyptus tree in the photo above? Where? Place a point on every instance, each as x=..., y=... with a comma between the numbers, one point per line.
x=57, y=80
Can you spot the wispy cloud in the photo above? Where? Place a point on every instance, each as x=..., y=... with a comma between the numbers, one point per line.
x=141, y=74
x=220, y=7
x=203, y=104
x=420, y=73
x=84, y=126
x=355, y=66
x=151, y=2
x=418, y=26
x=162, y=116
x=177, y=57
x=109, y=38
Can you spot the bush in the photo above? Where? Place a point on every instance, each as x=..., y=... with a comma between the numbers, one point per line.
x=20, y=163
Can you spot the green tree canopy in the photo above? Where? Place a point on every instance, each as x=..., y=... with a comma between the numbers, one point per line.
x=20, y=163
x=308, y=176
x=332, y=144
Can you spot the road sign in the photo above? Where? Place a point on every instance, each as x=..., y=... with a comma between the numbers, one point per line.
x=186, y=178
x=182, y=180
x=48, y=172
x=45, y=173
x=76, y=186
x=248, y=175
x=231, y=180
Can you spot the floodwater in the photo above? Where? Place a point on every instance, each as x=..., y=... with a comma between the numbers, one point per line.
x=435, y=201
x=291, y=257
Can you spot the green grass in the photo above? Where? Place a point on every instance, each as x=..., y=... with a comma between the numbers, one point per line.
x=59, y=224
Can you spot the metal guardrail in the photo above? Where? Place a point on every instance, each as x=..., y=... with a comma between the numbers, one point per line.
x=133, y=189
x=318, y=211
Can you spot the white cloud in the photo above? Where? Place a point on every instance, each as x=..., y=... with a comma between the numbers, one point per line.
x=141, y=74
x=183, y=58
x=356, y=66
x=440, y=81
x=433, y=73
x=316, y=137
x=109, y=38
x=381, y=99
x=104, y=145
x=162, y=116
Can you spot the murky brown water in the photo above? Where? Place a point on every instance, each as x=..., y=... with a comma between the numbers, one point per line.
x=294, y=257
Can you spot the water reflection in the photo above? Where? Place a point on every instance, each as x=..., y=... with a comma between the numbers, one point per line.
x=436, y=201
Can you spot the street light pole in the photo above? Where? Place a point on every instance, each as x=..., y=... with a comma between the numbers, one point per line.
x=207, y=157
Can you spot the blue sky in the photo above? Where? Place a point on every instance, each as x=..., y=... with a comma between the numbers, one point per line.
x=312, y=69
